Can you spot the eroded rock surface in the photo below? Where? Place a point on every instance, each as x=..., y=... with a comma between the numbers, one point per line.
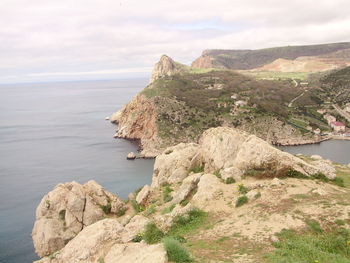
x=66, y=210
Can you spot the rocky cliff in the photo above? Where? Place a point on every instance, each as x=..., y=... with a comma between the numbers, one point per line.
x=195, y=202
x=181, y=102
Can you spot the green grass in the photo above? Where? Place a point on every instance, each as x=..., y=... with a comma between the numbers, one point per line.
x=314, y=226
x=242, y=189
x=241, y=200
x=137, y=208
x=121, y=211
x=184, y=224
x=339, y=181
x=196, y=169
x=152, y=234
x=166, y=193
x=311, y=247
x=230, y=180
x=150, y=210
x=168, y=209
x=107, y=208
x=175, y=251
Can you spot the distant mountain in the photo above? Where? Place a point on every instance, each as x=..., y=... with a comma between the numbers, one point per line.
x=337, y=53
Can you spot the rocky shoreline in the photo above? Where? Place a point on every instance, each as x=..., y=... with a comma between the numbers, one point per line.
x=86, y=223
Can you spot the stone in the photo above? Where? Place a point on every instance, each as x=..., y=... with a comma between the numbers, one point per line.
x=253, y=194
x=92, y=243
x=66, y=210
x=135, y=226
x=131, y=156
x=224, y=147
x=188, y=187
x=136, y=253
x=231, y=172
x=172, y=166
x=143, y=195
x=319, y=191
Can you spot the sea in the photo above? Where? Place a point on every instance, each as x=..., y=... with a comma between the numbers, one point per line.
x=52, y=133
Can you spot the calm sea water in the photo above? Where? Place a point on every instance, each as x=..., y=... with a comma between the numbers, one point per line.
x=56, y=132
x=334, y=150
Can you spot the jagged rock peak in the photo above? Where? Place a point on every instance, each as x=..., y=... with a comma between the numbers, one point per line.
x=166, y=66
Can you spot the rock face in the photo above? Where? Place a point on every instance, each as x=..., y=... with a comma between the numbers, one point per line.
x=232, y=153
x=204, y=61
x=172, y=166
x=165, y=67
x=66, y=210
x=137, y=121
x=136, y=253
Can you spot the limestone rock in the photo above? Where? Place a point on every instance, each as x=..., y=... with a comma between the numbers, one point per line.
x=143, y=195
x=135, y=226
x=253, y=194
x=115, y=117
x=172, y=166
x=66, y=210
x=164, y=67
x=187, y=188
x=231, y=172
x=224, y=147
x=136, y=253
x=92, y=243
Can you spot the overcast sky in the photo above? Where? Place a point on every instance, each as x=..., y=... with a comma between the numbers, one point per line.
x=49, y=40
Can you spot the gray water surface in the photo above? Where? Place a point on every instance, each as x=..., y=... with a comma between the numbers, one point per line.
x=334, y=150
x=53, y=133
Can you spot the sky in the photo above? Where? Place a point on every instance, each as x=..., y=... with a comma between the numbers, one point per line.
x=60, y=40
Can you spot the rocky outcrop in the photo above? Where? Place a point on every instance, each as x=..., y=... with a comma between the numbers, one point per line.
x=165, y=67
x=204, y=61
x=137, y=121
x=136, y=253
x=230, y=152
x=66, y=210
x=172, y=166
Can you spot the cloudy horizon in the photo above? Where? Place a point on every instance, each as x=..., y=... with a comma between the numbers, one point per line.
x=45, y=40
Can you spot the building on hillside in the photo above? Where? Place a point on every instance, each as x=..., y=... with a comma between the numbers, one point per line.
x=241, y=103
x=317, y=131
x=321, y=111
x=330, y=118
x=338, y=126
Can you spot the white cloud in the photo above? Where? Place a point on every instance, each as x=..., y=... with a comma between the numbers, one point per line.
x=70, y=37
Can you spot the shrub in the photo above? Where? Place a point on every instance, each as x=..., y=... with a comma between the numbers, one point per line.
x=121, y=211
x=217, y=174
x=339, y=222
x=166, y=193
x=168, y=209
x=230, y=180
x=62, y=214
x=241, y=200
x=338, y=181
x=295, y=174
x=175, y=251
x=314, y=226
x=152, y=234
x=137, y=208
x=183, y=224
x=151, y=210
x=107, y=208
x=312, y=247
x=320, y=176
x=197, y=169
x=242, y=189
x=138, y=238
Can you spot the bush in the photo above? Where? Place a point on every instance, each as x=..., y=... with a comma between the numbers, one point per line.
x=217, y=174
x=121, y=211
x=230, y=180
x=175, y=251
x=168, y=209
x=312, y=247
x=242, y=189
x=107, y=208
x=152, y=234
x=314, y=226
x=137, y=208
x=185, y=223
x=241, y=200
x=339, y=182
x=196, y=169
x=166, y=194
x=295, y=174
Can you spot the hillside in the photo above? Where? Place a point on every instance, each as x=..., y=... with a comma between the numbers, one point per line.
x=231, y=197
x=181, y=102
x=251, y=59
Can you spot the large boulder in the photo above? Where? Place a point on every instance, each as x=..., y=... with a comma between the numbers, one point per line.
x=222, y=148
x=66, y=210
x=136, y=253
x=173, y=165
x=91, y=244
